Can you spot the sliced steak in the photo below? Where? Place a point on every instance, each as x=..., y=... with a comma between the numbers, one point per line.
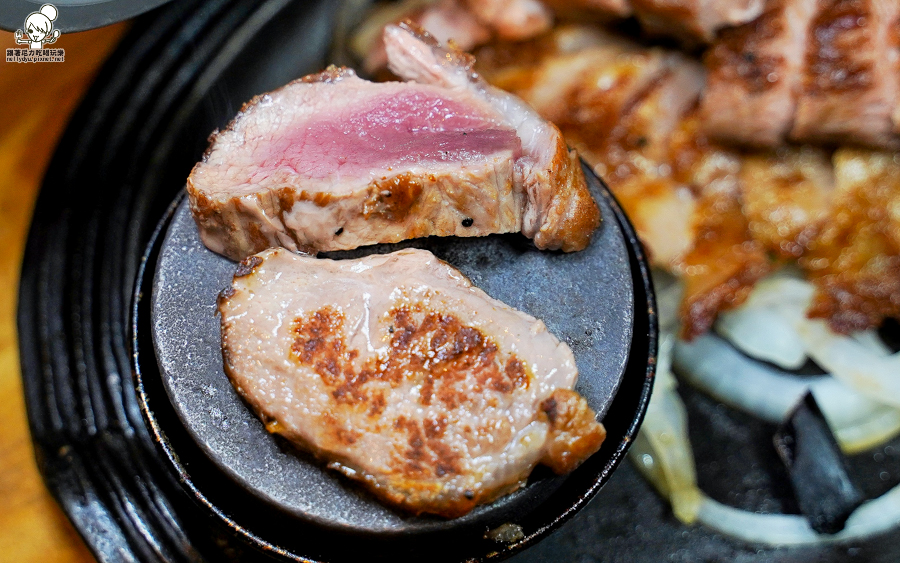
x=610, y=8
x=514, y=20
x=401, y=375
x=332, y=162
x=854, y=260
x=754, y=76
x=559, y=212
x=446, y=20
x=694, y=20
x=786, y=197
x=850, y=82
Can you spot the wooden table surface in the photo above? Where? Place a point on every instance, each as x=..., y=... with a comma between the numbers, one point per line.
x=36, y=101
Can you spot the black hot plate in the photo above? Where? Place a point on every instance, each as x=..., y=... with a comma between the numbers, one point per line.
x=182, y=71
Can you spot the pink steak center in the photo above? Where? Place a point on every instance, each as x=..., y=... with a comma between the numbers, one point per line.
x=388, y=132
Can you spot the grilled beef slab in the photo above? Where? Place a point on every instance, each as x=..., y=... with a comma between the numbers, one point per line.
x=754, y=76
x=333, y=162
x=401, y=375
x=850, y=82
x=694, y=20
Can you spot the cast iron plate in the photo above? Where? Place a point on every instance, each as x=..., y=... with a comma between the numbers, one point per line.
x=585, y=298
x=180, y=72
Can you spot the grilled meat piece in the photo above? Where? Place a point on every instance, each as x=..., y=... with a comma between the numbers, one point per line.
x=332, y=162
x=619, y=104
x=754, y=76
x=467, y=23
x=855, y=259
x=401, y=375
x=559, y=212
x=786, y=197
x=694, y=20
x=607, y=8
x=723, y=265
x=514, y=20
x=850, y=81
x=446, y=20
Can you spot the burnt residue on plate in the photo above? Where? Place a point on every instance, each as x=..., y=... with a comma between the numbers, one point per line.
x=585, y=298
x=822, y=485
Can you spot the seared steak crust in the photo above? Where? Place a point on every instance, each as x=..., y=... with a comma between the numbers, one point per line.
x=559, y=212
x=321, y=187
x=333, y=162
x=850, y=81
x=398, y=373
x=754, y=72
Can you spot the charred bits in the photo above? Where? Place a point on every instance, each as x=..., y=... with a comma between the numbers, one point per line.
x=818, y=469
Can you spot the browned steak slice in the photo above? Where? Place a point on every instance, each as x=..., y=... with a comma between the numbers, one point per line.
x=754, y=75
x=559, y=212
x=401, y=375
x=850, y=82
x=694, y=20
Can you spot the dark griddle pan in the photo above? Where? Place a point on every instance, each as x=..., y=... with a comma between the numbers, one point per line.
x=134, y=482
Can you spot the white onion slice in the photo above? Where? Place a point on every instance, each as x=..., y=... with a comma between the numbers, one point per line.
x=867, y=371
x=763, y=326
x=716, y=368
x=870, y=340
x=772, y=529
x=662, y=450
x=668, y=301
x=852, y=404
x=872, y=517
x=663, y=453
x=882, y=425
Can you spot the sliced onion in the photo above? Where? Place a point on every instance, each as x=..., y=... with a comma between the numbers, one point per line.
x=873, y=517
x=771, y=529
x=870, y=340
x=668, y=301
x=882, y=425
x=869, y=372
x=716, y=368
x=763, y=326
x=662, y=451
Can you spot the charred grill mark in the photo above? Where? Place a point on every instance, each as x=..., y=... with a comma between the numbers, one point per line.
x=247, y=266
x=225, y=295
x=426, y=453
x=549, y=407
x=837, y=31
x=339, y=431
x=447, y=360
x=516, y=372
x=393, y=199
x=741, y=53
x=445, y=352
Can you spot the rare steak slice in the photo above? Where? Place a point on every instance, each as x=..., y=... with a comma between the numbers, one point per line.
x=559, y=212
x=333, y=162
x=397, y=372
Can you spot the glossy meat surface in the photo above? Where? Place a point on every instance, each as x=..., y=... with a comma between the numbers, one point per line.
x=754, y=75
x=850, y=82
x=401, y=375
x=333, y=162
x=559, y=213
x=855, y=259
